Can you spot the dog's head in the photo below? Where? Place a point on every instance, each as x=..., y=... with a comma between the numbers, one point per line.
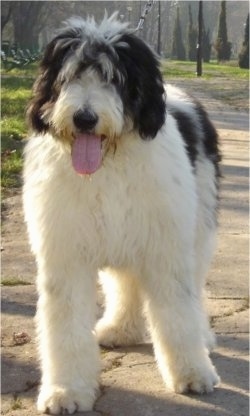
x=101, y=81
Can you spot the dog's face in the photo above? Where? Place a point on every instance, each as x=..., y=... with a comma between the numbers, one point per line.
x=101, y=81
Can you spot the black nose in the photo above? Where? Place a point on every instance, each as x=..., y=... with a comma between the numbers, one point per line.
x=85, y=120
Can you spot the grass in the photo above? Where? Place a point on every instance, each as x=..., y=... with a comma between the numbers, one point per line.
x=15, y=93
x=21, y=71
x=14, y=282
x=16, y=404
x=187, y=69
x=12, y=164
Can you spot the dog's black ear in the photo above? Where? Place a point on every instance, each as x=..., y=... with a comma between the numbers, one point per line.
x=46, y=89
x=144, y=93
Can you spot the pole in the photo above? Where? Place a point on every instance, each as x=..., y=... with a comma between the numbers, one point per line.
x=199, y=44
x=159, y=29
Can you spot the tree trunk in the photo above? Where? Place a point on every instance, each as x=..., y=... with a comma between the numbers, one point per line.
x=27, y=23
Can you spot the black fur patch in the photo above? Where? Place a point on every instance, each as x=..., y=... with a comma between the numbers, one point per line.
x=143, y=93
x=189, y=132
x=46, y=89
x=210, y=138
x=197, y=130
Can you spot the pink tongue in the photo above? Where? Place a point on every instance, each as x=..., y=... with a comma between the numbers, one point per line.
x=86, y=153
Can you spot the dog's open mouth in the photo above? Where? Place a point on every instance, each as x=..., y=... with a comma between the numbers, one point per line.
x=86, y=153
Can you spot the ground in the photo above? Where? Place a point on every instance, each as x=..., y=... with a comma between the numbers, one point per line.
x=130, y=382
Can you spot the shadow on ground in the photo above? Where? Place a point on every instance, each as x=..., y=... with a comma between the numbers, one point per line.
x=126, y=394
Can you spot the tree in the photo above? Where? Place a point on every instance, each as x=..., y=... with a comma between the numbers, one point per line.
x=159, y=29
x=244, y=53
x=192, y=37
x=28, y=19
x=222, y=46
x=178, y=50
x=207, y=45
x=6, y=10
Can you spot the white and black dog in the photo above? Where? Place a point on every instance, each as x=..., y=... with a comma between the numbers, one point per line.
x=121, y=179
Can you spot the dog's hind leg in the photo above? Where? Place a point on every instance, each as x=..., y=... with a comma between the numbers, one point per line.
x=122, y=322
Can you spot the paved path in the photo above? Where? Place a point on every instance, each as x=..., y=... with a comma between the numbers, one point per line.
x=130, y=382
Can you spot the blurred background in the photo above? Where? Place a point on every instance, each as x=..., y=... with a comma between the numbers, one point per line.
x=30, y=24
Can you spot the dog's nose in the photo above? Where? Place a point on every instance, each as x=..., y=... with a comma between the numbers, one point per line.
x=85, y=120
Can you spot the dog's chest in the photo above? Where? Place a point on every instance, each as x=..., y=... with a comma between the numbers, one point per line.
x=119, y=211
x=114, y=203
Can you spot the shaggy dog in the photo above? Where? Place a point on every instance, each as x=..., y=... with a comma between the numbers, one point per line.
x=121, y=179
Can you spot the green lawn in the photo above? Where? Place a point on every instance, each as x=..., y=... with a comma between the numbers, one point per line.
x=23, y=71
x=187, y=69
x=15, y=93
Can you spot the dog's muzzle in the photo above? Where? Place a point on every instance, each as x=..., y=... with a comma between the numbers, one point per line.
x=85, y=120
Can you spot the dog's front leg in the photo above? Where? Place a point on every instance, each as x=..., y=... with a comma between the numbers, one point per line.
x=68, y=348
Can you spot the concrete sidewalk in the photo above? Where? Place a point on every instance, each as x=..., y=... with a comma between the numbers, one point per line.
x=130, y=382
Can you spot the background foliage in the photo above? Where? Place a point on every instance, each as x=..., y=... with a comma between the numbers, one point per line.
x=32, y=23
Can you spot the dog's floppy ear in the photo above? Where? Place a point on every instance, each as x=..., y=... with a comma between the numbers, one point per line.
x=144, y=93
x=45, y=89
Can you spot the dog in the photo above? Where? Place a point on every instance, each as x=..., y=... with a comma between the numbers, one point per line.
x=121, y=178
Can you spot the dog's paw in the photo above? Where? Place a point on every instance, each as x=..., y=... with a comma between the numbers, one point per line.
x=196, y=380
x=109, y=335
x=56, y=400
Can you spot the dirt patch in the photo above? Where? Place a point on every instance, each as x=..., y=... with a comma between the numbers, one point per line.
x=221, y=90
x=17, y=261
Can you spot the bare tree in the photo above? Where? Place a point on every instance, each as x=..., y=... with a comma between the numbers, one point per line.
x=27, y=22
x=6, y=9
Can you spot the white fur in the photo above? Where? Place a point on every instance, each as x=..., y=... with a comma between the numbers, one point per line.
x=88, y=91
x=109, y=29
x=144, y=219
